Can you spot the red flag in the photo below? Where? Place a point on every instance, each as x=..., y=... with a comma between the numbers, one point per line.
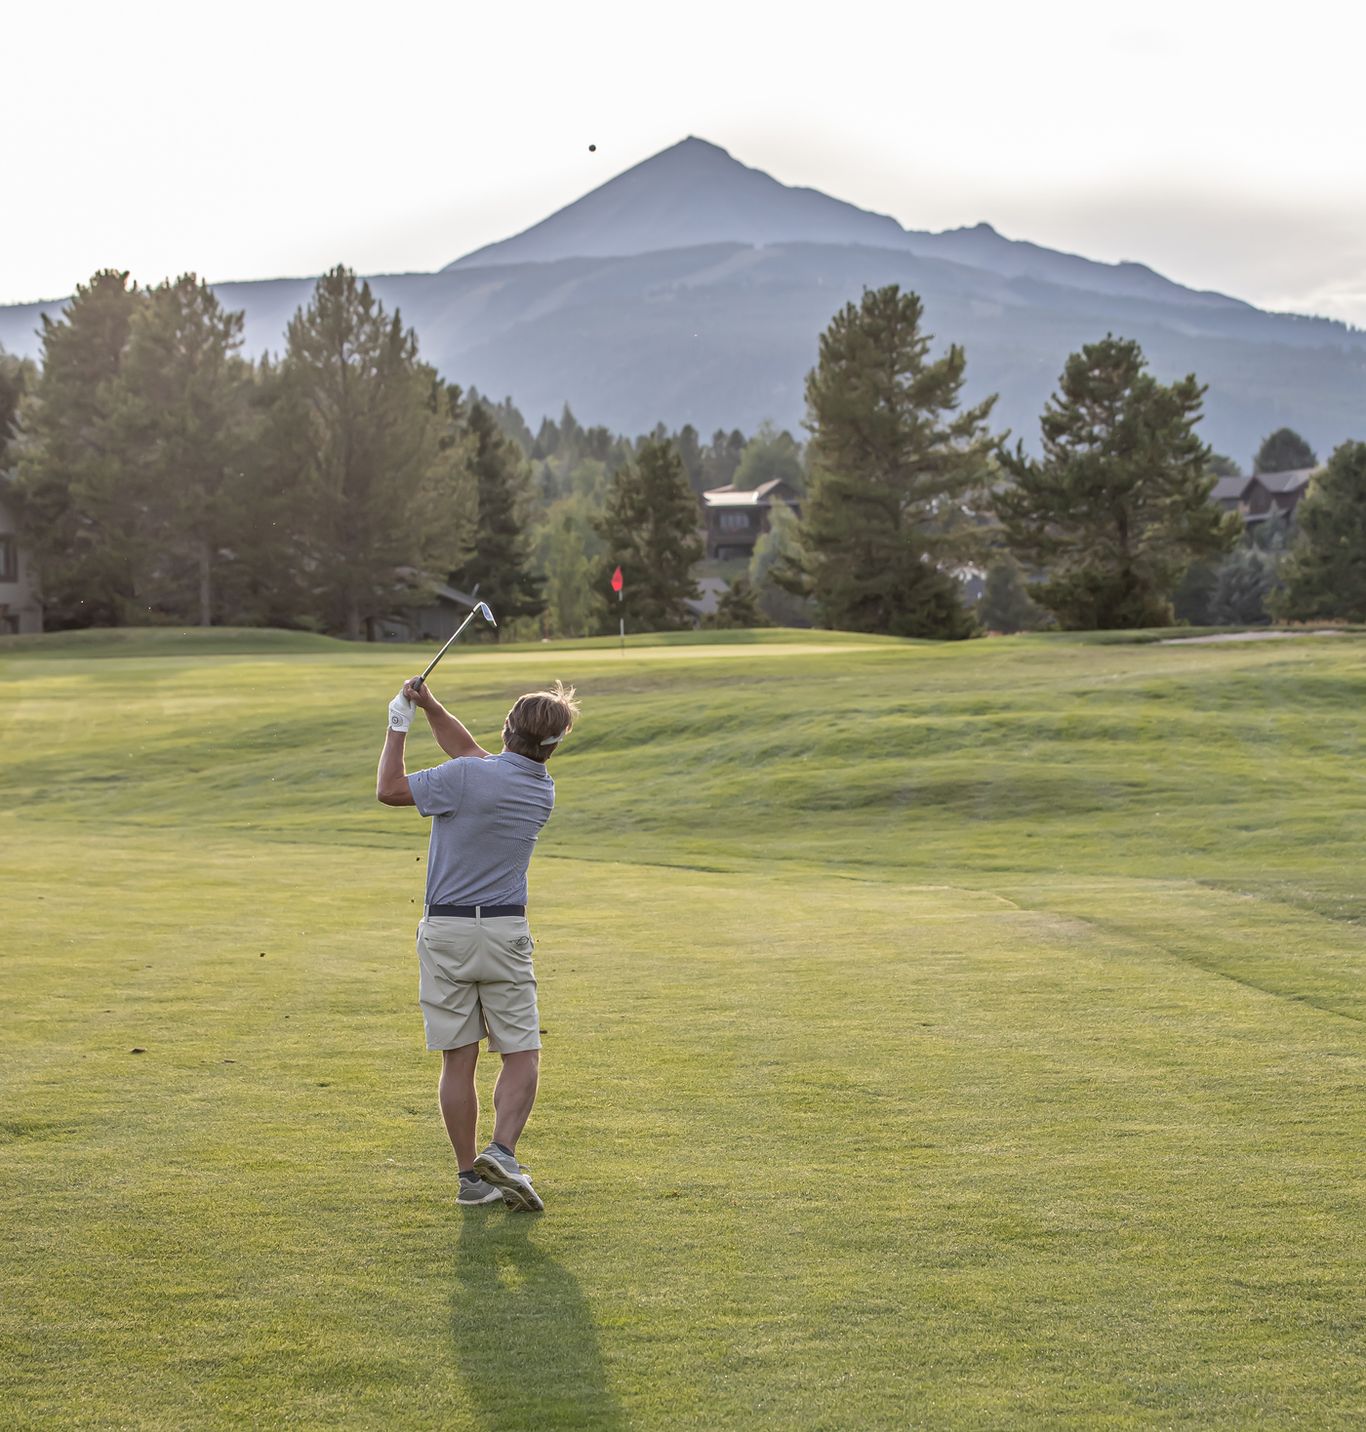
x=616, y=580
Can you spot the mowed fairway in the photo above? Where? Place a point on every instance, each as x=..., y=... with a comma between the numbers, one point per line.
x=936, y=1036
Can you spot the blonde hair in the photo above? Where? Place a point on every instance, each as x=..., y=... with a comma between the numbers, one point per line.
x=539, y=721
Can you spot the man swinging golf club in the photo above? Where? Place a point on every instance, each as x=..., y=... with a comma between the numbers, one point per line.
x=474, y=946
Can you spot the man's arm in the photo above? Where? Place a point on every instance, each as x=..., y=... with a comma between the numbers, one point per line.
x=450, y=734
x=391, y=780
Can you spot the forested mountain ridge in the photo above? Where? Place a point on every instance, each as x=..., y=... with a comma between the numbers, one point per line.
x=692, y=289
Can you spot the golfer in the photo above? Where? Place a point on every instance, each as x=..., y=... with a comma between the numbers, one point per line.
x=474, y=945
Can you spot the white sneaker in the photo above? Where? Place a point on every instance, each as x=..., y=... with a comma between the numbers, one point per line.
x=508, y=1176
x=473, y=1194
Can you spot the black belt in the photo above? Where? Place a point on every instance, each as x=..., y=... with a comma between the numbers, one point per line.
x=470, y=911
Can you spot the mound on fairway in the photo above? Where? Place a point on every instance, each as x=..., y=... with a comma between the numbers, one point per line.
x=958, y=1036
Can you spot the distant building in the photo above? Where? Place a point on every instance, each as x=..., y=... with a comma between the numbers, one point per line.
x=1263, y=494
x=735, y=518
x=21, y=613
x=436, y=621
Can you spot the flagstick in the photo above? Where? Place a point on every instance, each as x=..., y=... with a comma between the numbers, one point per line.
x=621, y=620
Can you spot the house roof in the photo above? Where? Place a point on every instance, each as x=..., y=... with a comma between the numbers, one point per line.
x=1232, y=489
x=731, y=496
x=1290, y=481
x=1229, y=489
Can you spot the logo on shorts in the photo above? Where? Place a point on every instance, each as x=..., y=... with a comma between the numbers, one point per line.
x=522, y=942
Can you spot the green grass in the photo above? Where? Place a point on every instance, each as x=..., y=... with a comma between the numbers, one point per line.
x=961, y=1036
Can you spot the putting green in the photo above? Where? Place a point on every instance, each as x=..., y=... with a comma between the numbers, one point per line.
x=936, y=1036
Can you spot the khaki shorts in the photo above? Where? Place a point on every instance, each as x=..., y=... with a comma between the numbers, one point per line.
x=476, y=979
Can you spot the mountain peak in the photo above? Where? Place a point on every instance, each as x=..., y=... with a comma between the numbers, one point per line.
x=691, y=193
x=694, y=194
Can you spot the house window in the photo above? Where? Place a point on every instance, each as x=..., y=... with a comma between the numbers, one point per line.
x=9, y=626
x=9, y=558
x=735, y=521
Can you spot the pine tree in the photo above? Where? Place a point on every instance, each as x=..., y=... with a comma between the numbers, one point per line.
x=17, y=376
x=1243, y=584
x=651, y=530
x=770, y=454
x=690, y=454
x=500, y=560
x=721, y=459
x=179, y=416
x=1194, y=593
x=1005, y=604
x=737, y=607
x=1325, y=573
x=81, y=515
x=270, y=581
x=384, y=510
x=1119, y=504
x=567, y=546
x=1284, y=451
x=1222, y=466
x=893, y=461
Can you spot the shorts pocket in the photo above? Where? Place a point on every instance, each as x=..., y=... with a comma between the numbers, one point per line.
x=448, y=949
x=519, y=945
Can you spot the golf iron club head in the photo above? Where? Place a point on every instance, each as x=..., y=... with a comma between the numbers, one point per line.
x=480, y=609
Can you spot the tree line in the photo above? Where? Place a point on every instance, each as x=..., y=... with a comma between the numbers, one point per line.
x=160, y=476
x=1106, y=527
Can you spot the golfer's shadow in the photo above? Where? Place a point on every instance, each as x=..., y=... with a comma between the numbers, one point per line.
x=525, y=1342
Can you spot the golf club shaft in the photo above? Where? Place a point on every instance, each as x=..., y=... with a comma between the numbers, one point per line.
x=418, y=684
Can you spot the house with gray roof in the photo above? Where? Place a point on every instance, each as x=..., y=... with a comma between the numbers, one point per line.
x=1263, y=495
x=735, y=518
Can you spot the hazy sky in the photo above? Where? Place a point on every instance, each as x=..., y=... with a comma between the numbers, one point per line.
x=1220, y=143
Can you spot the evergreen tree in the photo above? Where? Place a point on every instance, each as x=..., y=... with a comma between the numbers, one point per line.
x=779, y=547
x=81, y=516
x=383, y=501
x=509, y=419
x=1284, y=451
x=1194, y=593
x=547, y=439
x=722, y=458
x=500, y=560
x=567, y=548
x=1005, y=604
x=651, y=529
x=1222, y=466
x=893, y=461
x=17, y=375
x=1325, y=573
x=1119, y=505
x=1243, y=583
x=597, y=444
x=179, y=416
x=270, y=581
x=571, y=433
x=737, y=608
x=770, y=454
x=690, y=454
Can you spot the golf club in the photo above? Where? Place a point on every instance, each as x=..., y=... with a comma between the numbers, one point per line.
x=481, y=609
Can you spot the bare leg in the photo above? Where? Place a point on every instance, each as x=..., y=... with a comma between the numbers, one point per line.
x=459, y=1100
x=514, y=1094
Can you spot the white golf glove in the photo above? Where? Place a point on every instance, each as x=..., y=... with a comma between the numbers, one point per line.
x=401, y=713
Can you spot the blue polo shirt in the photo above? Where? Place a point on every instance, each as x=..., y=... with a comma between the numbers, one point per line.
x=486, y=812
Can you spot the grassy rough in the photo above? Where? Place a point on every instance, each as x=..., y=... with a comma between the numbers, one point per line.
x=937, y=1036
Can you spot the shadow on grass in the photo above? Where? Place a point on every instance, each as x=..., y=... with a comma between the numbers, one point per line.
x=525, y=1341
